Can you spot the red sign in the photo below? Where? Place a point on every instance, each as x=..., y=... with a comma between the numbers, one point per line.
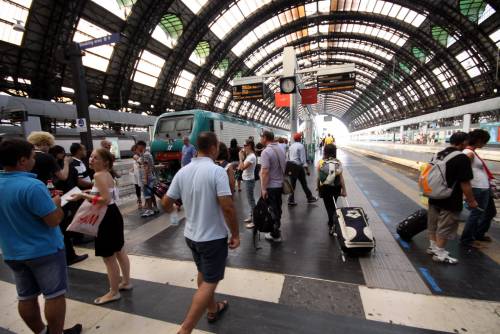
x=309, y=96
x=282, y=100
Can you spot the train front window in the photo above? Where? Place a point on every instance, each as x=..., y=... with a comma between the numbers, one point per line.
x=174, y=127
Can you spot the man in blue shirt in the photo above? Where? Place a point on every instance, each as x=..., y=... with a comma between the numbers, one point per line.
x=31, y=241
x=188, y=152
x=297, y=168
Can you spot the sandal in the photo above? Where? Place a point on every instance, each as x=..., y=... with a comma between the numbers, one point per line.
x=221, y=308
x=99, y=301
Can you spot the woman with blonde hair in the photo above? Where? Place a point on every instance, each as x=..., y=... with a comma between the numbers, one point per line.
x=46, y=167
x=110, y=237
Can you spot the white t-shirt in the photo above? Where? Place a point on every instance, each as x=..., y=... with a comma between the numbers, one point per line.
x=480, y=179
x=82, y=170
x=248, y=174
x=198, y=185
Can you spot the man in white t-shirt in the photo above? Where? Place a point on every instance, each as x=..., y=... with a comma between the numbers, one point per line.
x=204, y=190
x=248, y=162
x=479, y=221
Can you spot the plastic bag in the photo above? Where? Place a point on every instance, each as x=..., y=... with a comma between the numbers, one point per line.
x=88, y=218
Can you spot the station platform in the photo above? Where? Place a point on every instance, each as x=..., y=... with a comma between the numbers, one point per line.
x=300, y=285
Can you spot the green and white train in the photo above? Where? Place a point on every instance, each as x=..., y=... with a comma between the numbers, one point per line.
x=170, y=128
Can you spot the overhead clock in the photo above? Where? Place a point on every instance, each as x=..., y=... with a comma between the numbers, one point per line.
x=288, y=85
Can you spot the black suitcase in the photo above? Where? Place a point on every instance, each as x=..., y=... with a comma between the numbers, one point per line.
x=353, y=233
x=413, y=225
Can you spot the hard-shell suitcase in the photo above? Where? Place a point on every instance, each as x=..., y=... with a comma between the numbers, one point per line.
x=413, y=225
x=353, y=232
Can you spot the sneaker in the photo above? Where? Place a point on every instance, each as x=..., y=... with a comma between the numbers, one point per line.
x=156, y=210
x=250, y=225
x=292, y=203
x=147, y=213
x=431, y=250
x=248, y=220
x=269, y=237
x=445, y=258
x=312, y=200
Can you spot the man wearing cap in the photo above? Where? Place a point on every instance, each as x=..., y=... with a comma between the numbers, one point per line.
x=297, y=168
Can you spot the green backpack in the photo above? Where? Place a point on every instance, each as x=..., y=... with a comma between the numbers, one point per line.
x=329, y=170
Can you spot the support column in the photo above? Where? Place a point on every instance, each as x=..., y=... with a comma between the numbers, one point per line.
x=466, y=122
x=293, y=113
x=401, y=133
x=81, y=95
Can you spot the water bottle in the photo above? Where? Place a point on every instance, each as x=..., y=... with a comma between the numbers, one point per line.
x=174, y=218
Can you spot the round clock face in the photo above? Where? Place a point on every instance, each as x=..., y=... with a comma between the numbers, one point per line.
x=287, y=85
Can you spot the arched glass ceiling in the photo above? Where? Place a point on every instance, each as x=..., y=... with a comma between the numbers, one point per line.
x=377, y=7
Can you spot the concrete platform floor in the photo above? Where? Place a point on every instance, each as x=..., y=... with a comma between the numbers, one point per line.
x=299, y=286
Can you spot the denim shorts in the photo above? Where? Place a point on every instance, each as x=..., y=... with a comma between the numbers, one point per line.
x=46, y=275
x=210, y=258
x=148, y=190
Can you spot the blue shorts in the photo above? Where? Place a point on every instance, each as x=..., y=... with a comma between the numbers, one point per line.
x=46, y=275
x=210, y=258
x=148, y=190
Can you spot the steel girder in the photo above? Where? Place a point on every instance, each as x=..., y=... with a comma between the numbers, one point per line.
x=145, y=16
x=365, y=55
x=425, y=41
x=49, y=29
x=194, y=32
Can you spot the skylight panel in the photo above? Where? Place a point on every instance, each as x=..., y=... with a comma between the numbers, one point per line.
x=206, y=93
x=96, y=57
x=184, y=82
x=386, y=9
x=324, y=6
x=311, y=8
x=425, y=86
x=159, y=35
x=394, y=10
x=148, y=69
x=245, y=43
x=469, y=63
x=119, y=8
x=488, y=11
x=495, y=37
x=11, y=12
x=193, y=5
x=222, y=99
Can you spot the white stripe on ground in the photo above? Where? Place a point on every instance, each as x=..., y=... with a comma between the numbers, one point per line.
x=431, y=312
x=95, y=319
x=246, y=283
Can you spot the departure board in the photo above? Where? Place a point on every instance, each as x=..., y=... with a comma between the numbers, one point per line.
x=252, y=91
x=336, y=82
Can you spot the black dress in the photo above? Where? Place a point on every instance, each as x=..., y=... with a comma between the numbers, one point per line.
x=110, y=236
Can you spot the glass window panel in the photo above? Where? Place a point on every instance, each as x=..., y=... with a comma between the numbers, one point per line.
x=311, y=8
x=222, y=99
x=120, y=8
x=148, y=69
x=97, y=57
x=193, y=5
x=488, y=11
x=184, y=82
x=324, y=6
x=495, y=37
x=10, y=13
x=206, y=93
x=312, y=30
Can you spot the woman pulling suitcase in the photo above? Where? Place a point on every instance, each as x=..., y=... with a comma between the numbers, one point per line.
x=330, y=182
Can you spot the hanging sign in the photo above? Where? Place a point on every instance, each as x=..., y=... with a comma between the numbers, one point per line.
x=309, y=96
x=281, y=100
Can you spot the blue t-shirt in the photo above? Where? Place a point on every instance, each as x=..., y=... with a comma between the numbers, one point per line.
x=23, y=233
x=188, y=153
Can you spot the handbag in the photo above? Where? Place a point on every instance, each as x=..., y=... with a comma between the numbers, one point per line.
x=287, y=186
x=160, y=189
x=88, y=218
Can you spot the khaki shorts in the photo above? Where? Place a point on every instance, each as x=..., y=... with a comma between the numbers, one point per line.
x=442, y=222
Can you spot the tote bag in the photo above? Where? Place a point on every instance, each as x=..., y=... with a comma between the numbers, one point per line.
x=88, y=218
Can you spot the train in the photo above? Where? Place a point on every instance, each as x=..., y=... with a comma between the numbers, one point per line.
x=121, y=144
x=170, y=129
x=430, y=135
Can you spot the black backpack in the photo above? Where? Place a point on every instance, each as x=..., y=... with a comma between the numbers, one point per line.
x=264, y=218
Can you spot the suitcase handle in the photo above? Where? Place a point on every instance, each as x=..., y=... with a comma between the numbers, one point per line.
x=345, y=200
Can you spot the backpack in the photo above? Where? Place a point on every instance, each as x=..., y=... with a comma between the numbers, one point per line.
x=328, y=172
x=432, y=179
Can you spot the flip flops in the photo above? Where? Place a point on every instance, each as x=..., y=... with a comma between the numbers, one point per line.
x=222, y=306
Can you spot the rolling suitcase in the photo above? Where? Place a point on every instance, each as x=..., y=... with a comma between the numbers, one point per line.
x=413, y=225
x=353, y=233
